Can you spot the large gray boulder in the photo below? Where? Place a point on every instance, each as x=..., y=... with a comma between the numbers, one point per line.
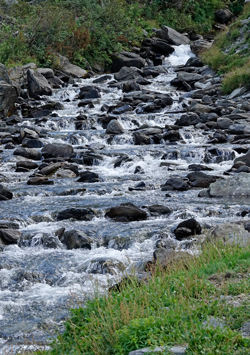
x=10, y=236
x=172, y=36
x=200, y=45
x=37, y=84
x=8, y=93
x=231, y=233
x=69, y=69
x=114, y=127
x=235, y=186
x=58, y=150
x=245, y=159
x=18, y=74
x=127, y=59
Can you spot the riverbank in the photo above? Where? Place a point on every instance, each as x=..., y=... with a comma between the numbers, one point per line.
x=201, y=305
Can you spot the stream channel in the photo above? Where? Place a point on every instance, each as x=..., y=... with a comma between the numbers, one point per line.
x=39, y=282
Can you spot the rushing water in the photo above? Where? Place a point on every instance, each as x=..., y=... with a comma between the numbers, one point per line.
x=39, y=284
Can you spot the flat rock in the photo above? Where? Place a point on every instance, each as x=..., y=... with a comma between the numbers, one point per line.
x=55, y=150
x=40, y=180
x=80, y=214
x=172, y=36
x=127, y=213
x=235, y=186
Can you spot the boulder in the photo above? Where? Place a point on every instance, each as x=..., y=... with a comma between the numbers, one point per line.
x=57, y=150
x=29, y=153
x=187, y=228
x=127, y=74
x=69, y=69
x=245, y=159
x=10, y=236
x=161, y=47
x=200, y=45
x=4, y=76
x=40, y=180
x=172, y=36
x=234, y=186
x=166, y=257
x=89, y=92
x=80, y=214
x=126, y=213
x=188, y=119
x=5, y=194
x=231, y=233
x=199, y=179
x=175, y=183
x=223, y=15
x=88, y=176
x=114, y=128
x=104, y=265
x=18, y=74
x=127, y=59
x=194, y=62
x=157, y=210
x=74, y=239
x=188, y=77
x=8, y=98
x=37, y=84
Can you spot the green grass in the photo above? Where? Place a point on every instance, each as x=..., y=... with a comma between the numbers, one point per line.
x=168, y=308
x=230, y=53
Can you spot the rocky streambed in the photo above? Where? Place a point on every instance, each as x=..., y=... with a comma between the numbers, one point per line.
x=109, y=173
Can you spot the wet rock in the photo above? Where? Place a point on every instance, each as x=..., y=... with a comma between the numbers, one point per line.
x=50, y=169
x=245, y=159
x=139, y=187
x=114, y=128
x=102, y=265
x=74, y=239
x=40, y=180
x=187, y=228
x=5, y=193
x=161, y=47
x=199, y=179
x=141, y=139
x=29, y=153
x=88, y=176
x=217, y=155
x=199, y=167
x=128, y=74
x=37, y=84
x=175, y=183
x=80, y=214
x=194, y=62
x=88, y=92
x=235, y=186
x=139, y=170
x=32, y=143
x=55, y=150
x=157, y=210
x=189, y=77
x=102, y=79
x=172, y=136
x=10, y=236
x=199, y=108
x=13, y=119
x=188, y=119
x=126, y=213
x=167, y=257
x=231, y=233
x=25, y=164
x=127, y=59
x=172, y=36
